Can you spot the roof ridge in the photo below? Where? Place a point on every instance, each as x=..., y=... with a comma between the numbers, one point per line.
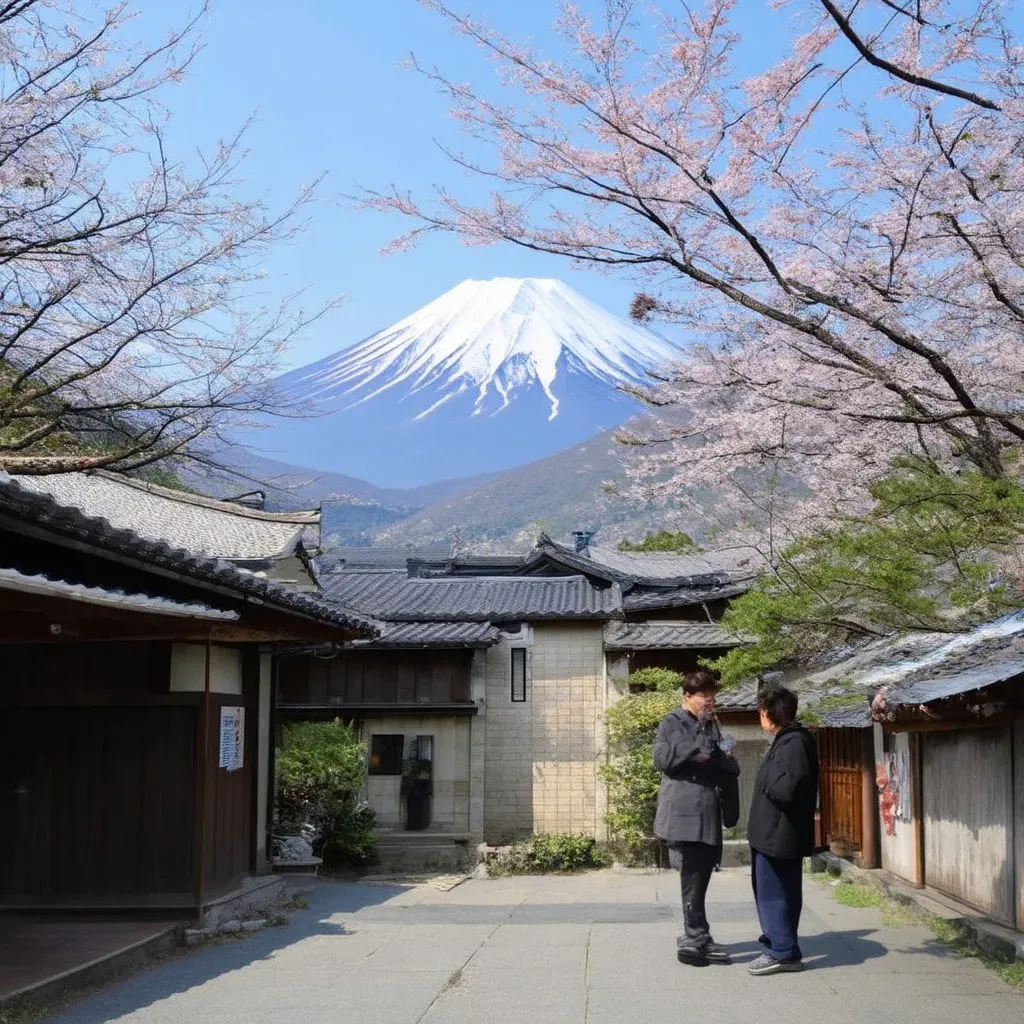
x=304, y=517
x=202, y=568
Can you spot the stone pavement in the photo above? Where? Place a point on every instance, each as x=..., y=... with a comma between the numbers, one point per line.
x=589, y=949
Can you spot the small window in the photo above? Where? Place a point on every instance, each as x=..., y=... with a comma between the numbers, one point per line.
x=518, y=674
x=386, y=754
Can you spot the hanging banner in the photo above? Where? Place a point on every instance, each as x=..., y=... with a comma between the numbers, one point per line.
x=232, y=738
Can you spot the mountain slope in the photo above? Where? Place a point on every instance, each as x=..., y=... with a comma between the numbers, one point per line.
x=491, y=375
x=559, y=494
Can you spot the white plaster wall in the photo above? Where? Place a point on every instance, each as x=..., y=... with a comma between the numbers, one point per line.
x=450, y=804
x=898, y=848
x=188, y=669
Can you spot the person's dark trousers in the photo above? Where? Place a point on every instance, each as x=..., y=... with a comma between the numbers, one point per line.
x=696, y=863
x=779, y=895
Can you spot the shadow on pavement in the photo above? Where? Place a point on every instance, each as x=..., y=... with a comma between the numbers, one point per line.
x=190, y=968
x=828, y=949
x=841, y=948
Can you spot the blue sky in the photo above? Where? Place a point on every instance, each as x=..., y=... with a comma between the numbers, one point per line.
x=325, y=83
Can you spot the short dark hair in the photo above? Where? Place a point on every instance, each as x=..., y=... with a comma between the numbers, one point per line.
x=778, y=703
x=700, y=682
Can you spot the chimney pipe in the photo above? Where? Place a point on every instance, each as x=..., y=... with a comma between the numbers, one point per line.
x=581, y=540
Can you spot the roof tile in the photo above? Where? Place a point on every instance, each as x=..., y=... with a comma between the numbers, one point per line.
x=204, y=526
x=473, y=599
x=43, y=511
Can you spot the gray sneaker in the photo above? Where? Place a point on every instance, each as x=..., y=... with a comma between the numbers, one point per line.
x=766, y=964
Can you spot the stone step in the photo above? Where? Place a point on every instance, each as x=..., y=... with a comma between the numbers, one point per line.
x=409, y=839
x=735, y=853
x=425, y=854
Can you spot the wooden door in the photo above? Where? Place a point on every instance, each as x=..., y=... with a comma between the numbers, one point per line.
x=967, y=792
x=841, y=756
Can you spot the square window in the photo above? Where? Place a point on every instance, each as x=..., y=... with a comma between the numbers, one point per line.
x=386, y=754
x=518, y=674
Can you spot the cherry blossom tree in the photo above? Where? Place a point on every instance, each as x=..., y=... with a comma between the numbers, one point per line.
x=130, y=329
x=841, y=232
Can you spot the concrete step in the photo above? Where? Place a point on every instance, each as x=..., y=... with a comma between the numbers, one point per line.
x=735, y=853
x=414, y=852
x=409, y=839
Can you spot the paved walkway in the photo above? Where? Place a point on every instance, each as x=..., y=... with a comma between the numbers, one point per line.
x=592, y=949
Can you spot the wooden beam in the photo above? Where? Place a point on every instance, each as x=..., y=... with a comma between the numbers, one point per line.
x=1018, y=816
x=28, y=618
x=917, y=803
x=251, y=700
x=948, y=724
x=202, y=759
x=869, y=853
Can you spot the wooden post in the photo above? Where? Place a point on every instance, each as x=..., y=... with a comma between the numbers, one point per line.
x=251, y=702
x=202, y=759
x=1018, y=815
x=917, y=767
x=869, y=852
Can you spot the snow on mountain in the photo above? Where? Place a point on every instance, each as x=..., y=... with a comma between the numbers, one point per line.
x=490, y=375
x=488, y=337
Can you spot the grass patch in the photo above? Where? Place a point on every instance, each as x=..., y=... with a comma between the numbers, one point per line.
x=950, y=933
x=295, y=903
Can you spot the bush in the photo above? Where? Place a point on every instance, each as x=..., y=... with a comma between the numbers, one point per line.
x=629, y=773
x=320, y=771
x=541, y=854
x=663, y=680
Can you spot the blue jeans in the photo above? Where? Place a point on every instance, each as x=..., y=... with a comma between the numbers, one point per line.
x=779, y=895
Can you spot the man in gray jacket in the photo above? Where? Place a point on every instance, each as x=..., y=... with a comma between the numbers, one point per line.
x=689, y=754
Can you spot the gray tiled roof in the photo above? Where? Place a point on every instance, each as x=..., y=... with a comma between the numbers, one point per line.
x=399, y=598
x=680, y=597
x=434, y=634
x=660, y=567
x=204, y=526
x=40, y=510
x=991, y=654
x=905, y=670
x=369, y=559
x=819, y=698
x=651, y=636
x=741, y=697
x=858, y=717
x=109, y=597
x=468, y=565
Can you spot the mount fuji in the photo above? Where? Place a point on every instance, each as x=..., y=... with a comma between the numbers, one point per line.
x=488, y=376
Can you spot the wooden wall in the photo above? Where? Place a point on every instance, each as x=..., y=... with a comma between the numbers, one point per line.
x=229, y=808
x=377, y=677
x=98, y=780
x=1018, y=804
x=97, y=805
x=969, y=818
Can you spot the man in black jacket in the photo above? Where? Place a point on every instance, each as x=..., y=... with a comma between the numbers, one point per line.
x=781, y=829
x=689, y=754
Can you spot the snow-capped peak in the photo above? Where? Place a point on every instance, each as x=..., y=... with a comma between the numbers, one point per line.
x=488, y=338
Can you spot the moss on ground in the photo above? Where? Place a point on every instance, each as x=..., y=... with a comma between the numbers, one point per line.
x=950, y=933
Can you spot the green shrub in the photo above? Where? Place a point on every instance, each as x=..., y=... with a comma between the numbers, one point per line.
x=320, y=771
x=541, y=854
x=629, y=773
x=664, y=680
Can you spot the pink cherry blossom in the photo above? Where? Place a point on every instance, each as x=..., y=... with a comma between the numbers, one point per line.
x=840, y=233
